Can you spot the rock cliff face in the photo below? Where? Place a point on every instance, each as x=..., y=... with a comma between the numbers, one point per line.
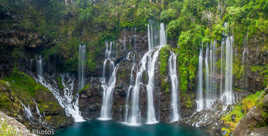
x=19, y=48
x=91, y=97
x=35, y=110
x=255, y=121
x=12, y=126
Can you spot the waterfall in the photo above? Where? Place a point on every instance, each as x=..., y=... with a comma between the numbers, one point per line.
x=222, y=65
x=214, y=72
x=174, y=87
x=211, y=83
x=245, y=52
x=131, y=85
x=27, y=111
x=147, y=64
x=211, y=74
x=81, y=66
x=228, y=92
x=68, y=101
x=151, y=61
x=207, y=79
x=135, y=115
x=108, y=85
x=200, y=97
x=37, y=110
x=244, y=64
x=39, y=66
x=163, y=39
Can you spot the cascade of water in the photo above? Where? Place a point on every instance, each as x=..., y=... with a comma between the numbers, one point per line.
x=132, y=82
x=174, y=87
x=228, y=92
x=108, y=85
x=163, y=39
x=37, y=110
x=151, y=61
x=81, y=66
x=211, y=83
x=200, y=98
x=27, y=111
x=39, y=66
x=147, y=64
x=214, y=73
x=135, y=115
x=68, y=101
x=245, y=51
x=222, y=65
x=244, y=64
x=207, y=77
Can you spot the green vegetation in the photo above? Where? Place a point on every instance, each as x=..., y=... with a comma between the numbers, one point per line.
x=23, y=83
x=19, y=87
x=163, y=58
x=189, y=23
x=232, y=118
x=262, y=71
x=59, y=83
x=87, y=86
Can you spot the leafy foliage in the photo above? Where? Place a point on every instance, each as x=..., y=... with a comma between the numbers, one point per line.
x=189, y=24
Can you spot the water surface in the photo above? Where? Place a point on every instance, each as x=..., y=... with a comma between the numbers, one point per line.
x=111, y=128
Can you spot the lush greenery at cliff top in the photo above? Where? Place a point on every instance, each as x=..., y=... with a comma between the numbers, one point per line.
x=190, y=23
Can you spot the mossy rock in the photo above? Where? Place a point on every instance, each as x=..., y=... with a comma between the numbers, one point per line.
x=232, y=119
x=21, y=88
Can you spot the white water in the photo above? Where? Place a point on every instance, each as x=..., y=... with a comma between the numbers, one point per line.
x=39, y=66
x=135, y=115
x=228, y=92
x=211, y=73
x=174, y=87
x=207, y=106
x=108, y=85
x=81, y=66
x=222, y=66
x=245, y=52
x=68, y=101
x=200, y=97
x=27, y=111
x=244, y=64
x=132, y=82
x=147, y=64
x=37, y=110
x=151, y=61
